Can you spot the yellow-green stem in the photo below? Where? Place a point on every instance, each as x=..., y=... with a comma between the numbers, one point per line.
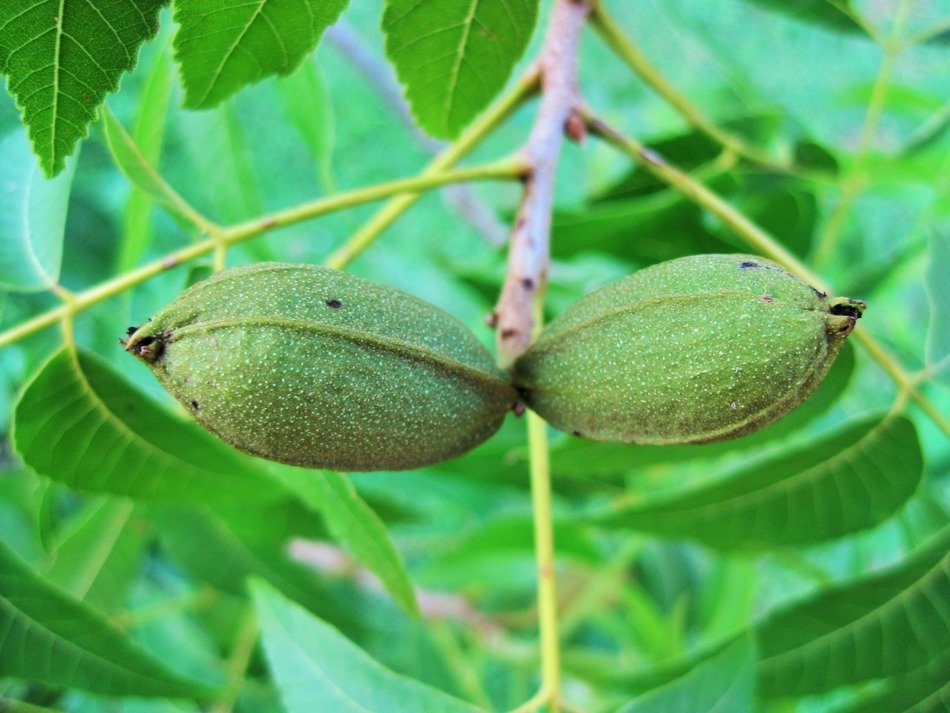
x=80, y=301
x=540, y=469
x=606, y=26
x=762, y=242
x=469, y=139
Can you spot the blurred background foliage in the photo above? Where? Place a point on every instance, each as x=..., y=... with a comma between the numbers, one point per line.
x=646, y=596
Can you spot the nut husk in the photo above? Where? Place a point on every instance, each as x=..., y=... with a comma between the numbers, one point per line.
x=313, y=367
x=694, y=350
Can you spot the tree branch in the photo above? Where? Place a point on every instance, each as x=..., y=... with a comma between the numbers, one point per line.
x=528, y=253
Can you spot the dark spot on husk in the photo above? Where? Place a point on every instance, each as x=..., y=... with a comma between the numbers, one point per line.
x=747, y=264
x=577, y=433
x=334, y=304
x=768, y=299
x=821, y=295
x=194, y=404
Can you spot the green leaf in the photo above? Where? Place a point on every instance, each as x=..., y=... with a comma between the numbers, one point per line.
x=79, y=423
x=62, y=58
x=98, y=554
x=225, y=547
x=923, y=690
x=32, y=217
x=136, y=166
x=833, y=14
x=356, y=526
x=872, y=627
x=317, y=668
x=724, y=683
x=148, y=134
x=307, y=103
x=849, y=481
x=223, y=45
x=938, y=288
x=453, y=56
x=47, y=637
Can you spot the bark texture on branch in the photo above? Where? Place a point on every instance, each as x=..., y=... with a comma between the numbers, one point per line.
x=528, y=253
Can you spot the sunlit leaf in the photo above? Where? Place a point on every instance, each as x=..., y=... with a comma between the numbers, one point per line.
x=49, y=638
x=317, y=668
x=832, y=14
x=724, y=683
x=453, y=56
x=62, y=58
x=356, y=526
x=32, y=217
x=80, y=423
x=877, y=626
x=848, y=481
x=225, y=44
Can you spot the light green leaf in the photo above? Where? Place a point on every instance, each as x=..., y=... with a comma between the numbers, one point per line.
x=32, y=217
x=47, y=637
x=316, y=668
x=79, y=423
x=97, y=555
x=877, y=626
x=357, y=527
x=453, y=56
x=849, y=481
x=938, y=288
x=62, y=58
x=307, y=104
x=148, y=135
x=136, y=166
x=724, y=683
x=225, y=44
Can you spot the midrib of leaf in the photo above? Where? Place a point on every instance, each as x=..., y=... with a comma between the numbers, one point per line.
x=31, y=623
x=104, y=548
x=459, y=58
x=846, y=630
x=57, y=68
x=234, y=45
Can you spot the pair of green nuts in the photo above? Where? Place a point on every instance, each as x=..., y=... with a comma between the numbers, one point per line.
x=313, y=367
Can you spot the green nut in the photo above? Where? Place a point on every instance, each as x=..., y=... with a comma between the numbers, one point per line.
x=694, y=350
x=313, y=367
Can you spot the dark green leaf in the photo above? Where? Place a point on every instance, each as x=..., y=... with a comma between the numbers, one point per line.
x=849, y=481
x=877, y=626
x=62, y=58
x=923, y=690
x=223, y=45
x=317, y=668
x=724, y=683
x=453, y=56
x=79, y=423
x=49, y=638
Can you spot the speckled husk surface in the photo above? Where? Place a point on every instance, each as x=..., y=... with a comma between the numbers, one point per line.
x=313, y=367
x=698, y=349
